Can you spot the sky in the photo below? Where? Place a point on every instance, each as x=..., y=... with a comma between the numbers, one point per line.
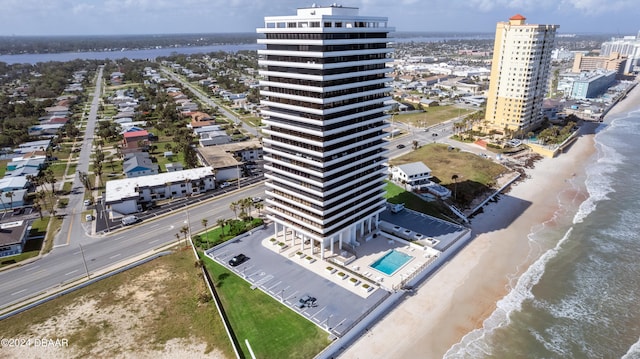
x=119, y=17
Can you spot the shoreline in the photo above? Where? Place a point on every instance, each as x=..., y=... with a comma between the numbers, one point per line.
x=462, y=294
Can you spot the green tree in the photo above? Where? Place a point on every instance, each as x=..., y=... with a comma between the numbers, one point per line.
x=204, y=224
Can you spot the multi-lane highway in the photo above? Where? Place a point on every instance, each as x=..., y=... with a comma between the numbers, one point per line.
x=66, y=263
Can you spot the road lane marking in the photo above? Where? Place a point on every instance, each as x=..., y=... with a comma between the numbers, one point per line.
x=115, y=256
x=73, y=271
x=69, y=235
x=31, y=268
x=153, y=241
x=18, y=292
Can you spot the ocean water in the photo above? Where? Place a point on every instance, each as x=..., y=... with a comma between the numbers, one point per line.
x=581, y=297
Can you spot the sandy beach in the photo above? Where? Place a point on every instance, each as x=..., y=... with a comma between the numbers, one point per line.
x=464, y=292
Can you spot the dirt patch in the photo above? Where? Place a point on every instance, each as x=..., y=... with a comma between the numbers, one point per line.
x=116, y=323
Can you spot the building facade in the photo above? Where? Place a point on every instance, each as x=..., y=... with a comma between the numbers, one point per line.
x=612, y=62
x=593, y=84
x=628, y=46
x=519, y=75
x=324, y=89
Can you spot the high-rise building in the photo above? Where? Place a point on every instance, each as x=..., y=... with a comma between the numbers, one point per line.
x=626, y=46
x=323, y=88
x=519, y=75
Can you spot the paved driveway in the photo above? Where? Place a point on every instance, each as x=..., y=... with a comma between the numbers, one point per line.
x=337, y=308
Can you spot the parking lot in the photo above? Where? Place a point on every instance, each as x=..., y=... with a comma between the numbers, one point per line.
x=335, y=308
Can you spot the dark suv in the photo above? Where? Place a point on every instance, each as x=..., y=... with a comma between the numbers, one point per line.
x=306, y=301
x=237, y=260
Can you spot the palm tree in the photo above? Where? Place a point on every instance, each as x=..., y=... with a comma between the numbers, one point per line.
x=38, y=208
x=258, y=207
x=184, y=230
x=454, y=178
x=10, y=195
x=220, y=222
x=234, y=206
x=204, y=224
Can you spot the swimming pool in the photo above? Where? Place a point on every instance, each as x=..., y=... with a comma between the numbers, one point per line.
x=391, y=262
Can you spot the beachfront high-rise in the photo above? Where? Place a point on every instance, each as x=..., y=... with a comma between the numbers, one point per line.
x=519, y=75
x=323, y=91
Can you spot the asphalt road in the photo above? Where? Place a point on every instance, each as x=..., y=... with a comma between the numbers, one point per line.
x=210, y=102
x=65, y=264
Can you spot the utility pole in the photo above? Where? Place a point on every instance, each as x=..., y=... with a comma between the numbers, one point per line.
x=84, y=261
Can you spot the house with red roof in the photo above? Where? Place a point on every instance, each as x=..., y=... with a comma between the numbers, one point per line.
x=135, y=141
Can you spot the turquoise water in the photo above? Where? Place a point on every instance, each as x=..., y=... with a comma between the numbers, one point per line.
x=391, y=262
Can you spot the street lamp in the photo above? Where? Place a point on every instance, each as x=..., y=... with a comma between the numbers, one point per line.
x=282, y=296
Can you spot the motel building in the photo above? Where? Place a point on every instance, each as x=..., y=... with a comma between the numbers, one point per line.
x=324, y=90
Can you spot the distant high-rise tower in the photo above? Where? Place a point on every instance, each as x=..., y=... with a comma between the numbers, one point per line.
x=519, y=75
x=323, y=91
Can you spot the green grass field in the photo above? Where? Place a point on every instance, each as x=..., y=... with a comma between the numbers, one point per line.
x=273, y=329
x=475, y=174
x=432, y=116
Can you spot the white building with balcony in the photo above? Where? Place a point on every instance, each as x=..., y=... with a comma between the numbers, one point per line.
x=323, y=88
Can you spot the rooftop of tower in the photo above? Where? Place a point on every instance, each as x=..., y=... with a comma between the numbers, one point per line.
x=333, y=9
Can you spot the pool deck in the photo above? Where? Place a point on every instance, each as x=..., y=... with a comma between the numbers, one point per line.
x=365, y=254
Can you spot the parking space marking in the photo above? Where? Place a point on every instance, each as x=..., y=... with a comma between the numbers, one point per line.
x=291, y=296
x=274, y=286
x=318, y=312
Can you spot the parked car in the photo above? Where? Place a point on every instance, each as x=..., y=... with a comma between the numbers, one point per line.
x=306, y=301
x=88, y=217
x=237, y=260
x=400, y=146
x=130, y=220
x=256, y=199
x=224, y=184
x=87, y=202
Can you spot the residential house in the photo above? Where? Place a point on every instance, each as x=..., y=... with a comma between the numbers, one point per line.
x=411, y=174
x=135, y=141
x=10, y=184
x=13, y=199
x=139, y=164
x=173, y=167
x=13, y=236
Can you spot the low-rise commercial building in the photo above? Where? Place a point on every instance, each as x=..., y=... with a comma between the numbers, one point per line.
x=130, y=195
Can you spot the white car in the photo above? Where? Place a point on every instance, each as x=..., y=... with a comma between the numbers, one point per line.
x=256, y=199
x=224, y=184
x=88, y=218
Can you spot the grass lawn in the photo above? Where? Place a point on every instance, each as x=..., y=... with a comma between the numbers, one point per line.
x=72, y=169
x=3, y=167
x=163, y=161
x=273, y=329
x=475, y=174
x=58, y=169
x=396, y=194
x=432, y=115
x=252, y=121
